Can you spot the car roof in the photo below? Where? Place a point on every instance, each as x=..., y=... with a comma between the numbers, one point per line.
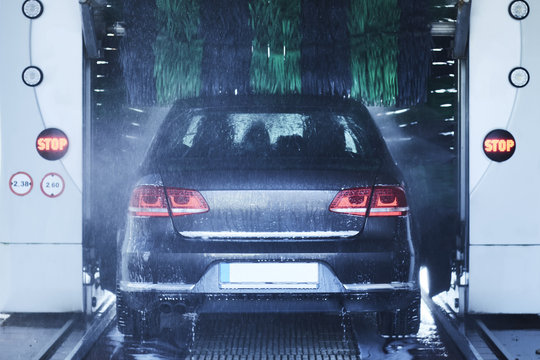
x=272, y=102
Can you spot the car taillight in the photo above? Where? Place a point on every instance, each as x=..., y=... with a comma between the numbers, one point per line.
x=385, y=201
x=149, y=200
x=388, y=201
x=351, y=201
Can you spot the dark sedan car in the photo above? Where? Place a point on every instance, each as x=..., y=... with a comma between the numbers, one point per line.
x=263, y=203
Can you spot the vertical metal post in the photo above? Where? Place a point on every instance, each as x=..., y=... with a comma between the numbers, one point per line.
x=87, y=147
x=462, y=255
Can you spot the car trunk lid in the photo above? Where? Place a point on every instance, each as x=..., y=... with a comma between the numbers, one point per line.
x=251, y=205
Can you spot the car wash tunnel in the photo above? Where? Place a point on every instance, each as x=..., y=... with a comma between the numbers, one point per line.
x=269, y=179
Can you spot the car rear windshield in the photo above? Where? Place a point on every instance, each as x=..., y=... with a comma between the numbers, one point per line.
x=204, y=139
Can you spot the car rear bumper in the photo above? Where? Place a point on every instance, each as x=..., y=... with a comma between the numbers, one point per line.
x=354, y=298
x=143, y=287
x=376, y=273
x=210, y=294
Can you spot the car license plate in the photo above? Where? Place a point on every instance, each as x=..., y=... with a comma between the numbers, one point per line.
x=269, y=275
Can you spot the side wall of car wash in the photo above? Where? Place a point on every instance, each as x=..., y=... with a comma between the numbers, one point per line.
x=504, y=244
x=41, y=156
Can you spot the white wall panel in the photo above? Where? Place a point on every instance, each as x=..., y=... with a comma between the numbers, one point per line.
x=41, y=237
x=40, y=278
x=504, y=226
x=504, y=279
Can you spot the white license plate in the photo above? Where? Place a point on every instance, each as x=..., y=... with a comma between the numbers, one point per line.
x=270, y=275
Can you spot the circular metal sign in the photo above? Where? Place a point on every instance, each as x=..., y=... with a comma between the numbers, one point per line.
x=52, y=185
x=52, y=144
x=499, y=145
x=21, y=183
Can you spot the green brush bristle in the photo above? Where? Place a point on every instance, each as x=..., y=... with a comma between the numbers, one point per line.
x=373, y=28
x=276, y=31
x=276, y=57
x=177, y=50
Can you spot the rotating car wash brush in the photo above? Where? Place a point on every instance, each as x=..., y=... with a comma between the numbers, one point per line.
x=325, y=48
x=414, y=52
x=373, y=28
x=227, y=46
x=275, y=62
x=136, y=54
x=376, y=52
x=178, y=50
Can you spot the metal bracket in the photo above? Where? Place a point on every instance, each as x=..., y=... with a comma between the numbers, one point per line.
x=91, y=41
x=461, y=39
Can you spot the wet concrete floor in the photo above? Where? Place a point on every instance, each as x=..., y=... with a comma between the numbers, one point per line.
x=279, y=336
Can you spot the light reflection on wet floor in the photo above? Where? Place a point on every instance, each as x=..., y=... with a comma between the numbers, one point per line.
x=278, y=336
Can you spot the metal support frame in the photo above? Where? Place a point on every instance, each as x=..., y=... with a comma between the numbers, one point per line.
x=462, y=255
x=461, y=39
x=88, y=244
x=460, y=52
x=91, y=41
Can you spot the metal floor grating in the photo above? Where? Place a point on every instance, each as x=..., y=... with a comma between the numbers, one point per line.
x=273, y=336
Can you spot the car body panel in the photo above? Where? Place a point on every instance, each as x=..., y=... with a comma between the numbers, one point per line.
x=266, y=207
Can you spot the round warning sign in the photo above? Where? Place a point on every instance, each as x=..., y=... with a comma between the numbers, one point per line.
x=21, y=183
x=499, y=145
x=52, y=185
x=52, y=144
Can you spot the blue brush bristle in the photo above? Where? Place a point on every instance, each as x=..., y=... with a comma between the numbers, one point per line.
x=186, y=48
x=136, y=54
x=325, y=48
x=227, y=47
x=414, y=53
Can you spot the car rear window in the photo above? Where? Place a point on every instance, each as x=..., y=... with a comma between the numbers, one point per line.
x=232, y=139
